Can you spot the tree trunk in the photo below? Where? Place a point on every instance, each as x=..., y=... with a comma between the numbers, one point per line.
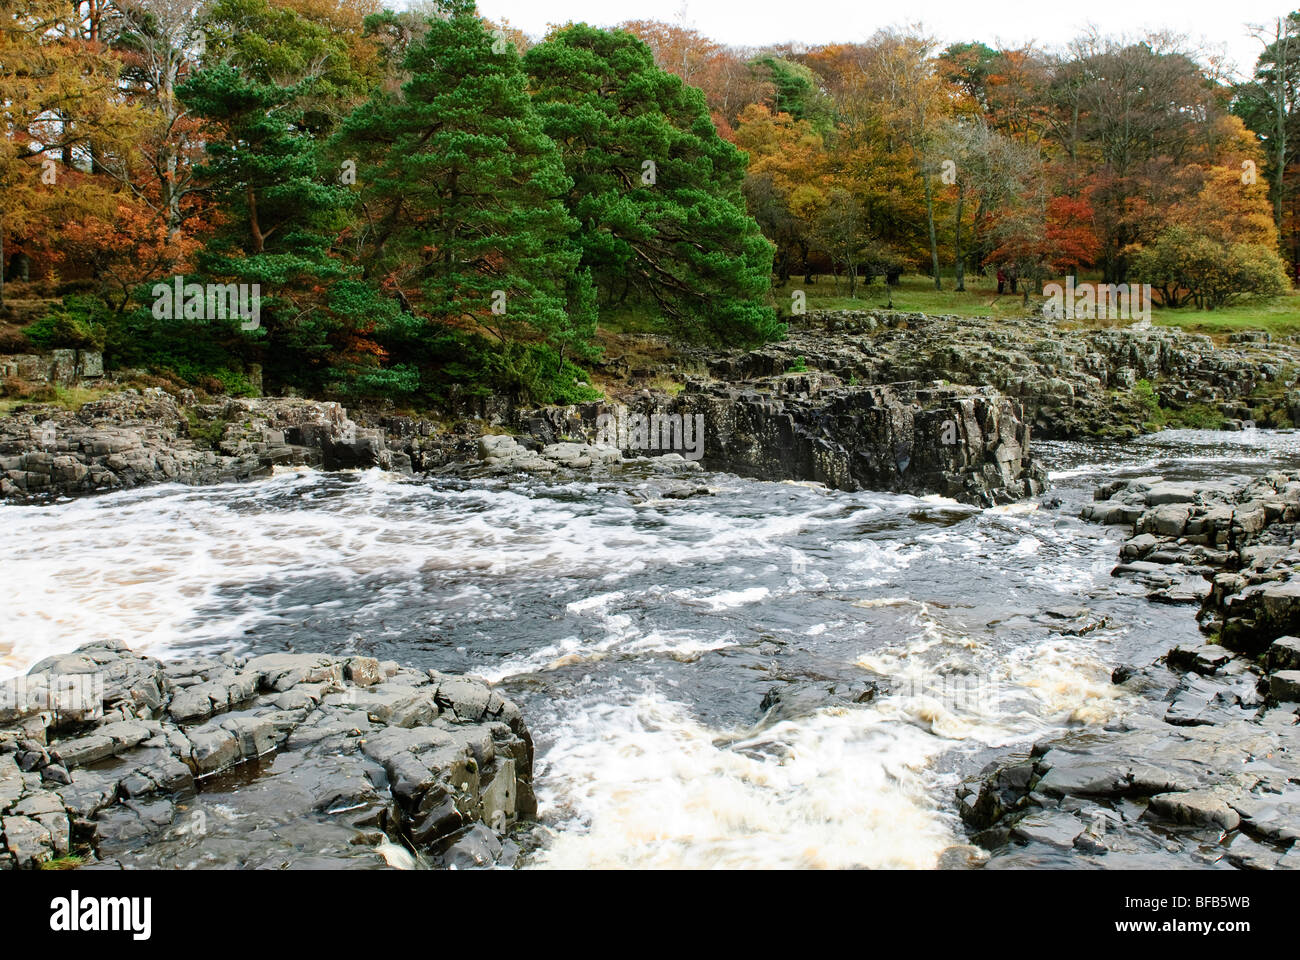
x=929, y=216
x=259, y=240
x=976, y=241
x=956, y=247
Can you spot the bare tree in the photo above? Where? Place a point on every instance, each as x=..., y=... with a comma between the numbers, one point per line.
x=162, y=40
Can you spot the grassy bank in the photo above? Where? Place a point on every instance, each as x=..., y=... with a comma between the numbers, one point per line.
x=913, y=294
x=69, y=398
x=916, y=294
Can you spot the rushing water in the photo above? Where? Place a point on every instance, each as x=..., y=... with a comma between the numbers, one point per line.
x=640, y=638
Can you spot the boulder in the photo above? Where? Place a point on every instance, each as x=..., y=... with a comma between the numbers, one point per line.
x=299, y=760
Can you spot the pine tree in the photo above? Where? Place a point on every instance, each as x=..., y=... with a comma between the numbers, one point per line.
x=656, y=190
x=283, y=213
x=463, y=193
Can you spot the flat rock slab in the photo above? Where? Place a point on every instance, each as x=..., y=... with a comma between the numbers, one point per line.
x=1154, y=794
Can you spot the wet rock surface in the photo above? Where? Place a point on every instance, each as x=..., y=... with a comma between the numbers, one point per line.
x=943, y=404
x=962, y=442
x=1213, y=783
x=966, y=443
x=666, y=476
x=284, y=760
x=1206, y=768
x=1229, y=547
x=136, y=438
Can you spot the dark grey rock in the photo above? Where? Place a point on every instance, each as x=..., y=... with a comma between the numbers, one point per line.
x=1285, y=686
x=324, y=783
x=1284, y=654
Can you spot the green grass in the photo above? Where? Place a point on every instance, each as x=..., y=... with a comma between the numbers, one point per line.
x=1195, y=416
x=637, y=318
x=206, y=434
x=69, y=398
x=916, y=294
x=1279, y=316
x=664, y=383
x=913, y=294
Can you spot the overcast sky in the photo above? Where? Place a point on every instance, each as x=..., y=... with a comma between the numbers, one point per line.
x=1220, y=24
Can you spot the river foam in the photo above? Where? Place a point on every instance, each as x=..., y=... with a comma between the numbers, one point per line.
x=641, y=639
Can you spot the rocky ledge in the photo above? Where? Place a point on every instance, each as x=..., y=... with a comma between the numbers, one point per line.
x=853, y=399
x=1209, y=776
x=1233, y=547
x=135, y=438
x=967, y=443
x=1206, y=765
x=962, y=442
x=285, y=760
x=1071, y=382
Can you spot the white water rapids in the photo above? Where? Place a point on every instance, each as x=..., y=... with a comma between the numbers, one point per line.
x=639, y=639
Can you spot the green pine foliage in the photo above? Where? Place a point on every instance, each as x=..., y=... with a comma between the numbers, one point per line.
x=284, y=211
x=657, y=192
x=428, y=216
x=463, y=196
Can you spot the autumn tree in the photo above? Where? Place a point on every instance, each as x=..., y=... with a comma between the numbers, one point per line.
x=1145, y=113
x=56, y=96
x=910, y=95
x=1040, y=235
x=1188, y=267
x=990, y=172
x=1219, y=240
x=842, y=231
x=785, y=184
x=1269, y=103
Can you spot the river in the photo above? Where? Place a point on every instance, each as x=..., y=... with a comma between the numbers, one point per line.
x=641, y=638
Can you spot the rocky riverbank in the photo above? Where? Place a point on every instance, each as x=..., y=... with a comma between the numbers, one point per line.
x=966, y=443
x=1206, y=769
x=855, y=400
x=294, y=760
x=1072, y=382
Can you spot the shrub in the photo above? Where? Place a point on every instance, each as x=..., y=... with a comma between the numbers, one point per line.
x=13, y=340
x=1184, y=267
x=1149, y=404
x=538, y=372
x=16, y=389
x=206, y=434
x=79, y=324
x=1199, y=416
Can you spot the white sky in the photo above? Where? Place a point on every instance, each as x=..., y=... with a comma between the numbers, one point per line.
x=1220, y=24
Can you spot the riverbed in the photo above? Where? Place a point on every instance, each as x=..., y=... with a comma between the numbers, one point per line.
x=910, y=639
